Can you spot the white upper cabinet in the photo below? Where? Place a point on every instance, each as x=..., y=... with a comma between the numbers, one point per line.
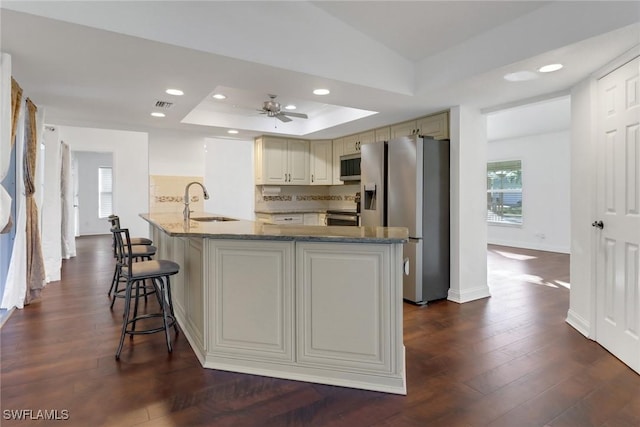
x=280, y=161
x=338, y=150
x=321, y=162
x=284, y=161
x=383, y=134
x=350, y=144
x=298, y=162
x=404, y=129
x=353, y=143
x=436, y=126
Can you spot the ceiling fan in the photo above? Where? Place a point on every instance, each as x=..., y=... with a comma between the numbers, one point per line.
x=272, y=109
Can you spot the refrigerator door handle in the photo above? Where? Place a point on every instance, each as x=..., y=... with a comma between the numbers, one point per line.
x=405, y=266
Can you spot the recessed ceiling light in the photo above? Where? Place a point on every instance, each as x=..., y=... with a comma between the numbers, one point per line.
x=219, y=96
x=175, y=92
x=290, y=107
x=232, y=131
x=158, y=114
x=520, y=76
x=321, y=92
x=549, y=68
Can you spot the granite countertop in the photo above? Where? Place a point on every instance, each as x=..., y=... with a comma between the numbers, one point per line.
x=290, y=211
x=174, y=225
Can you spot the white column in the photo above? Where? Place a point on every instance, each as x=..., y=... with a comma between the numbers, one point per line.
x=468, y=205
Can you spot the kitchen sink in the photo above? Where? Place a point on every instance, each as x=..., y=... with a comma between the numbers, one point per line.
x=213, y=219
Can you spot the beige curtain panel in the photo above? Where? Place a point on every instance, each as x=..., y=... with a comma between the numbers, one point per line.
x=35, y=260
x=16, y=101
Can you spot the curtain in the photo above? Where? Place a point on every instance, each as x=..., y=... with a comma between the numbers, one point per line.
x=16, y=279
x=66, y=193
x=16, y=97
x=35, y=260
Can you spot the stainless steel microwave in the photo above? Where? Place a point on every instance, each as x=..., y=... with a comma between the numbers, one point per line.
x=350, y=167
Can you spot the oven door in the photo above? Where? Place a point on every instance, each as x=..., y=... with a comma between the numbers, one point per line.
x=342, y=219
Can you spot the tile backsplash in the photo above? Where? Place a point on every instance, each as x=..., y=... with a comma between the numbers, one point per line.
x=166, y=193
x=269, y=198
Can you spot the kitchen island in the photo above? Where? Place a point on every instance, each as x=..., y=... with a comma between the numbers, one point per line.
x=309, y=303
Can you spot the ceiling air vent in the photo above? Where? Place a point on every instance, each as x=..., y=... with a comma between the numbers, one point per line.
x=164, y=104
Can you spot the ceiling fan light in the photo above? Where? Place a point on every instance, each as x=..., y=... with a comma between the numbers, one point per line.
x=321, y=91
x=290, y=107
x=219, y=96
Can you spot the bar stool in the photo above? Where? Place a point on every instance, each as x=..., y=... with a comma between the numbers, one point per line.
x=137, y=253
x=115, y=223
x=142, y=250
x=158, y=272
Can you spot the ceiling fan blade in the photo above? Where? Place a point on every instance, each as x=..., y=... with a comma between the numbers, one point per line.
x=299, y=115
x=282, y=117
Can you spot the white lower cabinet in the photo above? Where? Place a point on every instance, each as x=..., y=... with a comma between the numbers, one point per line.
x=187, y=289
x=324, y=312
x=194, y=289
x=344, y=315
x=251, y=299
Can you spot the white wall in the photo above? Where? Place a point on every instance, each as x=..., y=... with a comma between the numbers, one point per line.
x=468, y=205
x=176, y=154
x=229, y=178
x=130, y=169
x=583, y=183
x=545, y=182
x=89, y=162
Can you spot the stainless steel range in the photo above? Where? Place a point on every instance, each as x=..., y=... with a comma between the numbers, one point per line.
x=343, y=217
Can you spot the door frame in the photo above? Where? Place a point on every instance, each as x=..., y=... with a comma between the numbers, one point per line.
x=602, y=72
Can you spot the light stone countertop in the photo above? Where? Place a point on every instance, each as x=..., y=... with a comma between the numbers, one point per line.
x=290, y=211
x=173, y=224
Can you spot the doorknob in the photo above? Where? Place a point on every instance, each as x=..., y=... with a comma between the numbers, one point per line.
x=598, y=224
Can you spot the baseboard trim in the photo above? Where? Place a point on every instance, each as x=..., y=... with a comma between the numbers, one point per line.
x=468, y=295
x=579, y=323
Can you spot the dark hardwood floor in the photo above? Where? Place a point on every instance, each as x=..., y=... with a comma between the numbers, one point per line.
x=509, y=360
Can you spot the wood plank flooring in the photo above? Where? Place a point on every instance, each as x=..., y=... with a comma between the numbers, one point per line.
x=509, y=360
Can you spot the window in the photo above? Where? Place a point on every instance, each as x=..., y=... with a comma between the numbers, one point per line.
x=504, y=192
x=105, y=194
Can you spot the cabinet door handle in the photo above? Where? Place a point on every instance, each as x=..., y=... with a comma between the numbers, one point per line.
x=312, y=178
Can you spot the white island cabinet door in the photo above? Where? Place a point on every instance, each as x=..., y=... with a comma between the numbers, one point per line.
x=345, y=316
x=250, y=300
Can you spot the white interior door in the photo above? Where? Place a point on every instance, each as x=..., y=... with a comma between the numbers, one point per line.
x=618, y=199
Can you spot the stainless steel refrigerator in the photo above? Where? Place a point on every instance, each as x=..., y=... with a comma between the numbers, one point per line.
x=405, y=183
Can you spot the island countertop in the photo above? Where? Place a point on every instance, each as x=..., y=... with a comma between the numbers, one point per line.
x=174, y=225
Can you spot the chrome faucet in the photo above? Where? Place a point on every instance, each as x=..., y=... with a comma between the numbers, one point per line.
x=186, y=212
